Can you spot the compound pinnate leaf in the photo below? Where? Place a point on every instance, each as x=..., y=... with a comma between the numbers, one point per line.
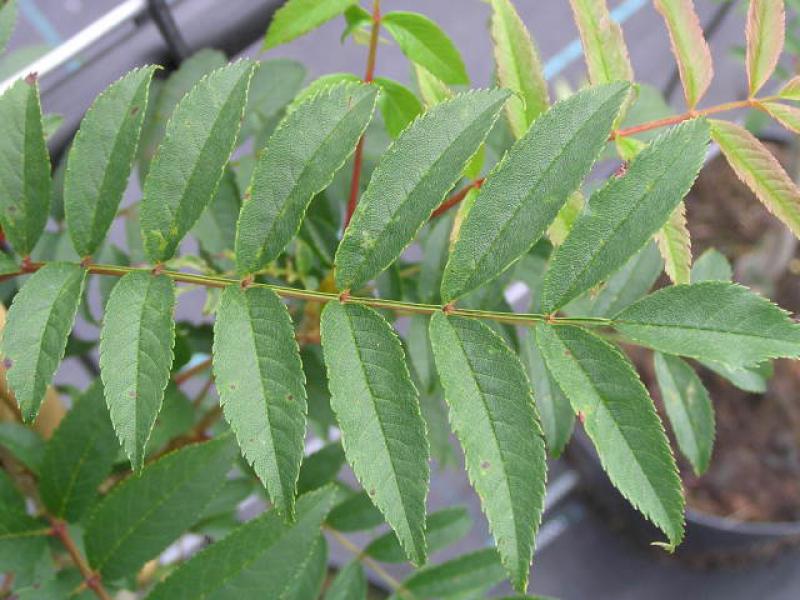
x=471, y=574
x=399, y=106
x=760, y=171
x=261, y=385
x=36, y=332
x=136, y=344
x=494, y=418
x=689, y=46
x=604, y=46
x=146, y=513
x=101, y=158
x=688, y=408
x=8, y=18
x=713, y=320
x=25, y=186
x=78, y=457
x=625, y=213
x=554, y=409
x=525, y=191
x=621, y=421
x=424, y=43
x=442, y=528
x=301, y=157
x=260, y=559
x=298, y=17
x=766, y=30
x=377, y=407
x=519, y=67
x=411, y=180
x=349, y=584
x=189, y=164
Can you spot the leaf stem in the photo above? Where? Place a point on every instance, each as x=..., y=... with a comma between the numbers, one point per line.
x=369, y=75
x=398, y=306
x=674, y=120
x=372, y=564
x=457, y=198
x=92, y=579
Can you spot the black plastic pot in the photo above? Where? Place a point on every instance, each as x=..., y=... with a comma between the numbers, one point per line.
x=710, y=540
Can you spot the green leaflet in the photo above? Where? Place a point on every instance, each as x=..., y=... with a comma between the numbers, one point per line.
x=411, y=180
x=786, y=115
x=11, y=499
x=431, y=89
x=624, y=214
x=714, y=320
x=310, y=573
x=750, y=379
x=689, y=47
x=24, y=167
x=399, y=106
x=711, y=266
x=24, y=444
x=518, y=67
x=215, y=231
x=621, y=421
x=442, y=528
x=8, y=18
x=78, y=457
x=136, y=344
x=23, y=542
x=554, y=409
x=164, y=97
x=189, y=164
x=349, y=584
x=525, y=191
x=791, y=91
x=675, y=245
x=261, y=386
x=320, y=468
x=688, y=408
x=424, y=43
x=297, y=17
x=377, y=407
x=435, y=247
x=493, y=415
x=145, y=513
x=36, y=331
x=301, y=157
x=101, y=158
x=275, y=84
x=760, y=170
x=261, y=559
x=355, y=513
x=474, y=574
x=765, y=32
x=630, y=283
x=319, y=85
x=604, y=46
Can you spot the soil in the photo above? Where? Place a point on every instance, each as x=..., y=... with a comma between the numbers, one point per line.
x=755, y=469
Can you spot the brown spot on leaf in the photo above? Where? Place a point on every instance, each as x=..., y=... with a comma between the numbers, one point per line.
x=134, y=111
x=8, y=363
x=485, y=465
x=31, y=78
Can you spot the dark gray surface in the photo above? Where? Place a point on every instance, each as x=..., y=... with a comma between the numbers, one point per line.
x=582, y=558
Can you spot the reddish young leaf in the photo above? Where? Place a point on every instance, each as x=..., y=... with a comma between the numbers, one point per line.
x=766, y=29
x=689, y=46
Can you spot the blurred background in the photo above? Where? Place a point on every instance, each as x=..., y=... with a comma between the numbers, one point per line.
x=587, y=547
